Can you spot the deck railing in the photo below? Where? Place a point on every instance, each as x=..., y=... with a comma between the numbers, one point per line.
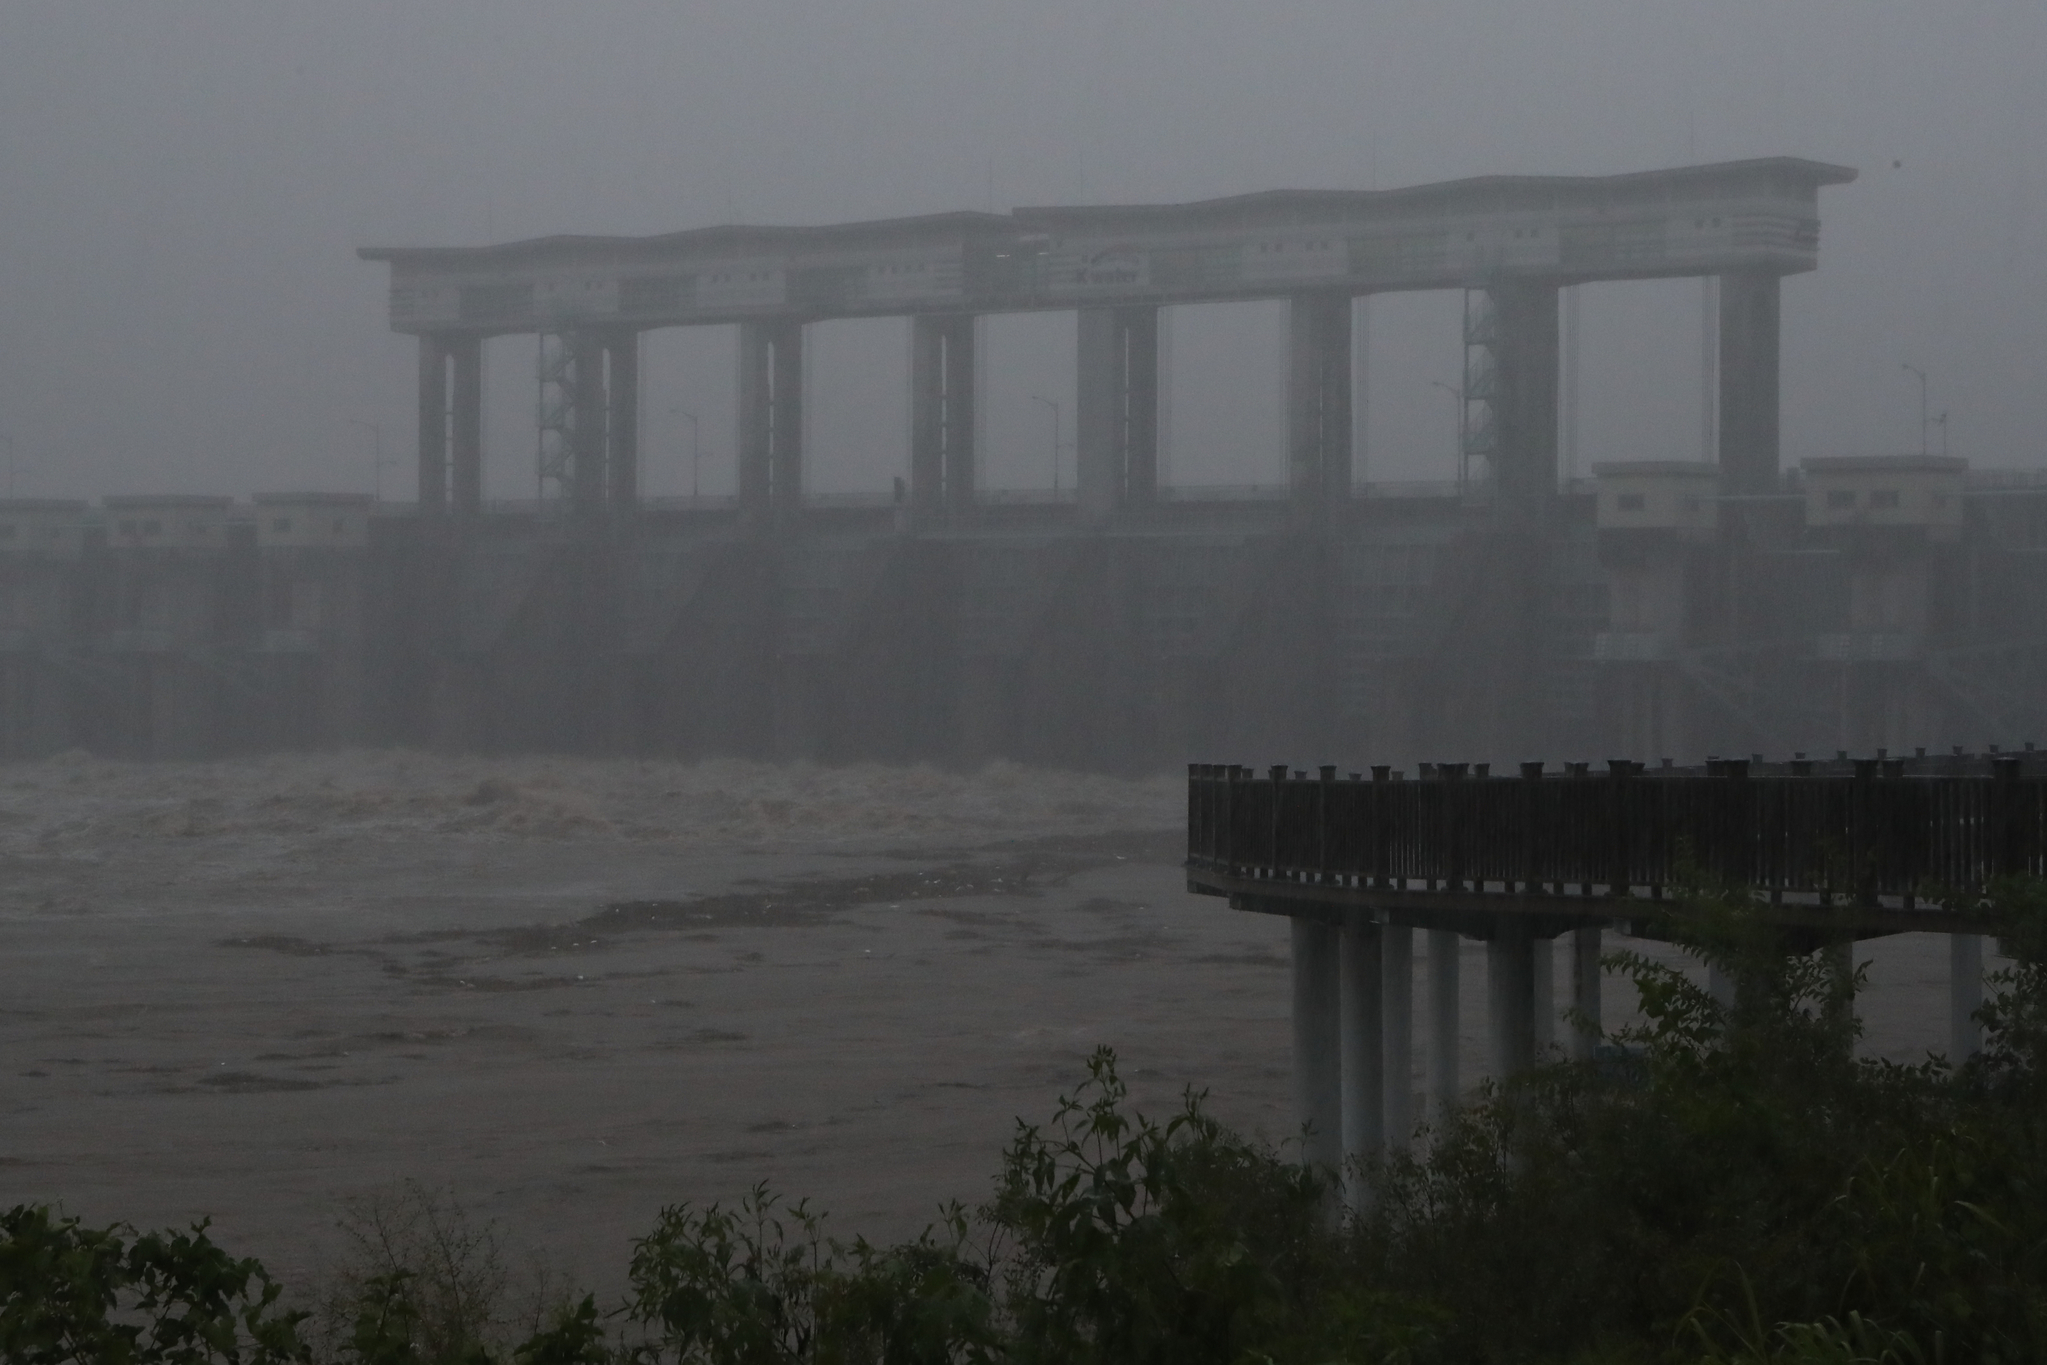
x=1866, y=832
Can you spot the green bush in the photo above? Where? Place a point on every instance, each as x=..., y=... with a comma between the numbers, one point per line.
x=71, y=1293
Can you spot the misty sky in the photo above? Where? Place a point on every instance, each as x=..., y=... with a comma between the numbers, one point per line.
x=183, y=184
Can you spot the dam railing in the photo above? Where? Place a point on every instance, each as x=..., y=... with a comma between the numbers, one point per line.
x=1854, y=833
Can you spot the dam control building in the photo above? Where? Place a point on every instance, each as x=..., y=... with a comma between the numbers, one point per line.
x=1657, y=608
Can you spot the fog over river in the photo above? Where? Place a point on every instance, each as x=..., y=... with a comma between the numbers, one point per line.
x=575, y=990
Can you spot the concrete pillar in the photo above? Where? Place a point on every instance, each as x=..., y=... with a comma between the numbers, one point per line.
x=755, y=444
x=622, y=400
x=1361, y=1054
x=586, y=475
x=771, y=418
x=1399, y=1051
x=1525, y=391
x=1750, y=314
x=433, y=424
x=1585, y=994
x=786, y=467
x=1720, y=986
x=1116, y=427
x=942, y=381
x=1445, y=948
x=1318, y=402
x=1840, y=959
x=1318, y=1084
x=1965, y=996
x=467, y=484
x=927, y=417
x=1510, y=999
x=1543, y=1019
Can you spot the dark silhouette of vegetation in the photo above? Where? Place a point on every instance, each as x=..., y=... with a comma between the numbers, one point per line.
x=1729, y=1184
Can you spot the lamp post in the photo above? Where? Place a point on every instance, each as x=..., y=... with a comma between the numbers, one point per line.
x=1040, y=398
x=1921, y=374
x=376, y=454
x=696, y=453
x=1457, y=397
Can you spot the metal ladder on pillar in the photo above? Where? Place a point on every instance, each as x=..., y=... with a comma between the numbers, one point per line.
x=555, y=419
x=1477, y=432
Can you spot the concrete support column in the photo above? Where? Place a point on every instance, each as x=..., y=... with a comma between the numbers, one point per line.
x=1543, y=964
x=1585, y=994
x=1750, y=315
x=1720, y=986
x=1361, y=1054
x=1318, y=415
x=1840, y=959
x=786, y=467
x=1525, y=391
x=468, y=426
x=1318, y=1083
x=771, y=418
x=1965, y=996
x=1445, y=948
x=433, y=424
x=1510, y=998
x=1116, y=429
x=586, y=476
x=942, y=458
x=622, y=395
x=1399, y=996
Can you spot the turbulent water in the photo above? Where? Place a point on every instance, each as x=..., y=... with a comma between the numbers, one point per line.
x=75, y=803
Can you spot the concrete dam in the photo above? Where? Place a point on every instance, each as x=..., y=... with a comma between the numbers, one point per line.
x=1656, y=608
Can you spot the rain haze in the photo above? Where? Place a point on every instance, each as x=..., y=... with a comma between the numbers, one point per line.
x=581, y=847
x=186, y=186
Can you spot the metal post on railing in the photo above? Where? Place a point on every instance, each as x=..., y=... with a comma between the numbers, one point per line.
x=1272, y=858
x=1327, y=779
x=2007, y=858
x=1619, y=825
x=1380, y=807
x=1530, y=808
x=1453, y=826
x=1864, y=831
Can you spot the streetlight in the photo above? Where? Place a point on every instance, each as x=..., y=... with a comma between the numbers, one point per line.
x=1922, y=408
x=1040, y=398
x=1941, y=422
x=377, y=453
x=696, y=453
x=1457, y=396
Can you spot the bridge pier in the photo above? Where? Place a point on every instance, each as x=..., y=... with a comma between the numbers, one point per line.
x=466, y=425
x=1750, y=325
x=1965, y=996
x=1116, y=426
x=1445, y=959
x=1510, y=992
x=1585, y=993
x=434, y=349
x=1318, y=413
x=622, y=419
x=1318, y=1072
x=771, y=420
x=1399, y=1049
x=1525, y=388
x=942, y=457
x=1366, y=1011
